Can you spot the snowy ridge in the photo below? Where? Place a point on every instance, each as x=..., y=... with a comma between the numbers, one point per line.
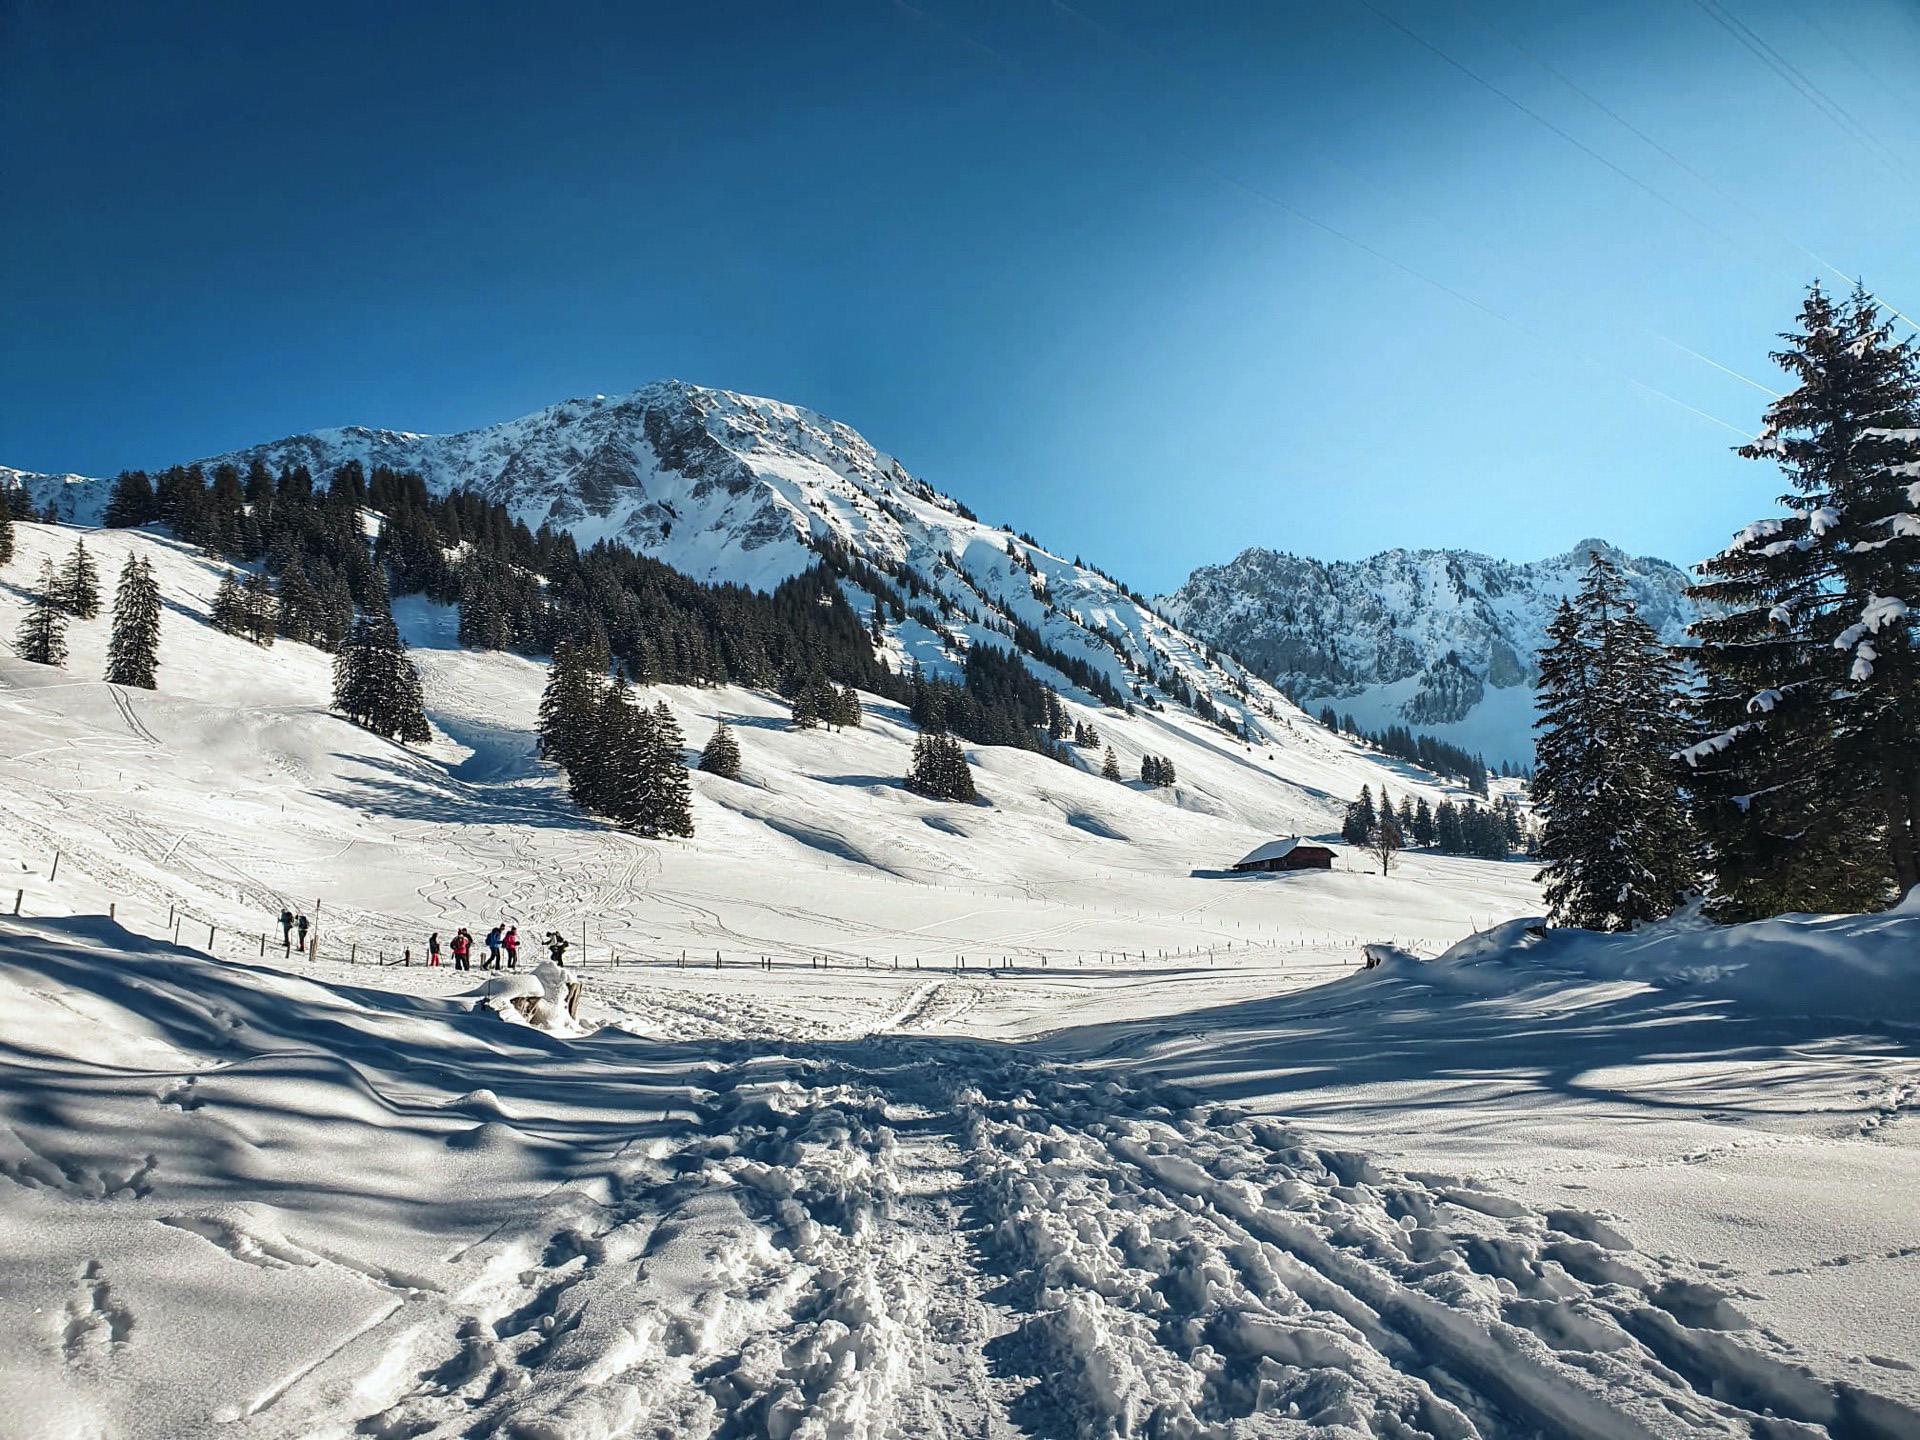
x=736, y=488
x=1442, y=641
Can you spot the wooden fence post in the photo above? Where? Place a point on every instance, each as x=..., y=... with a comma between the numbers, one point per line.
x=54, y=873
x=18, y=895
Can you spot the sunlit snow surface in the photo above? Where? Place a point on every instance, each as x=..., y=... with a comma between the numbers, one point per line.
x=1660, y=1185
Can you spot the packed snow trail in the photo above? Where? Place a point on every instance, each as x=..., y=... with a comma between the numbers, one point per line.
x=474, y=1229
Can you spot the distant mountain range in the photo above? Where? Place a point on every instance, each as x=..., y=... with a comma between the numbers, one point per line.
x=1442, y=641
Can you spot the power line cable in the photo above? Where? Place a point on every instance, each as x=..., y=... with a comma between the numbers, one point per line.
x=1720, y=191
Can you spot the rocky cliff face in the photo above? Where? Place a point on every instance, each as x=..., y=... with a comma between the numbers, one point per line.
x=1439, y=640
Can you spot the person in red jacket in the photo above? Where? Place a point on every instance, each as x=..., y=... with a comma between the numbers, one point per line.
x=462, y=947
x=510, y=942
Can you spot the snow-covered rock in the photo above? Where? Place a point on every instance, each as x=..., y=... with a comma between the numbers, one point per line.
x=1442, y=641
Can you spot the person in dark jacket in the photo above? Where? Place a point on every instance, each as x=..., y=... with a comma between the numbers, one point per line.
x=300, y=924
x=557, y=947
x=511, y=943
x=286, y=931
x=462, y=947
x=433, y=948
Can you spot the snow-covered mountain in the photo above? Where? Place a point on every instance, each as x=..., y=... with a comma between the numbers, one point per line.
x=729, y=487
x=1440, y=640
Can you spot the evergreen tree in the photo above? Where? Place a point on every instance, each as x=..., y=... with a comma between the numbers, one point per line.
x=1447, y=836
x=78, y=589
x=1110, y=767
x=1616, y=840
x=133, y=649
x=375, y=684
x=1422, y=831
x=1360, y=819
x=669, y=796
x=606, y=773
x=569, y=706
x=300, y=616
x=939, y=769
x=847, y=713
x=229, y=612
x=132, y=501
x=722, y=754
x=806, y=707
x=42, y=636
x=1807, y=777
x=259, y=610
x=6, y=527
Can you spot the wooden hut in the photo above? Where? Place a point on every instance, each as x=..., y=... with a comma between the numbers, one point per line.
x=1292, y=853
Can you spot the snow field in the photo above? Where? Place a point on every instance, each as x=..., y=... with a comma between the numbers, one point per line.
x=1653, y=1186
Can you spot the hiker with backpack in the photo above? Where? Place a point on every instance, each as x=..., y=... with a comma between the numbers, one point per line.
x=462, y=947
x=511, y=943
x=492, y=962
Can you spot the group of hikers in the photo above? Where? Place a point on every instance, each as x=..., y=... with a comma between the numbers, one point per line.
x=502, y=944
x=502, y=940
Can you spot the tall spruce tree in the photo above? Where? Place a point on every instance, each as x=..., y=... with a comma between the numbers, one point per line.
x=1807, y=773
x=1110, y=767
x=42, y=636
x=375, y=684
x=78, y=589
x=570, y=704
x=132, y=501
x=1616, y=841
x=721, y=756
x=229, y=611
x=669, y=796
x=1358, y=824
x=133, y=649
x=6, y=527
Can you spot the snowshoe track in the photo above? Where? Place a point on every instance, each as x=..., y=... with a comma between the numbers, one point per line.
x=945, y=1239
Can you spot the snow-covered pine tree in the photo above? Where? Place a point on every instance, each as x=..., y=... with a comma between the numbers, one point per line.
x=259, y=609
x=669, y=796
x=78, y=589
x=375, y=684
x=1616, y=842
x=6, y=528
x=133, y=648
x=1110, y=767
x=721, y=756
x=1807, y=778
x=939, y=769
x=1360, y=817
x=42, y=636
x=570, y=704
x=229, y=611
x=299, y=617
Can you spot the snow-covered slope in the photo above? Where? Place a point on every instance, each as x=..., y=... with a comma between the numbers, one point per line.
x=238, y=1199
x=231, y=790
x=1440, y=640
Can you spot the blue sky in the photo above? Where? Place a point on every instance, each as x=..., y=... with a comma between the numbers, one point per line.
x=1155, y=282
